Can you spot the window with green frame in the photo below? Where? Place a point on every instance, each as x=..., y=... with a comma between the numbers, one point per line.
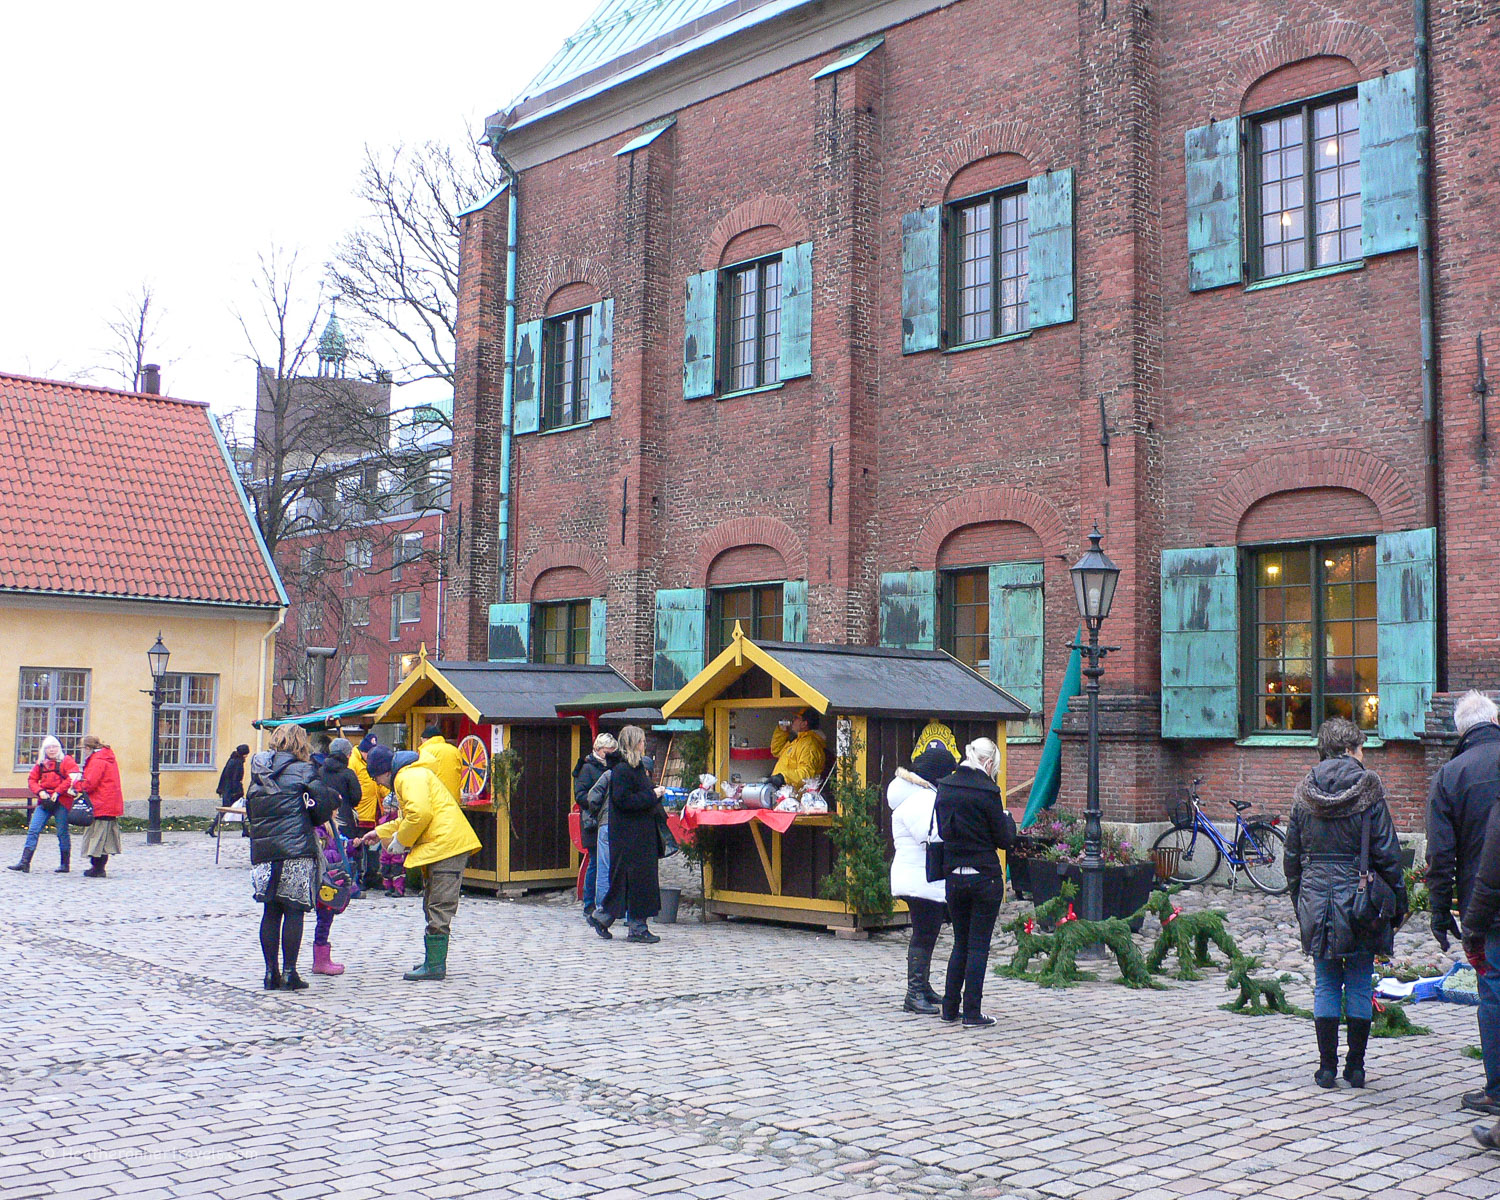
x=752, y=324
x=989, y=267
x=964, y=621
x=757, y=608
x=560, y=632
x=1312, y=636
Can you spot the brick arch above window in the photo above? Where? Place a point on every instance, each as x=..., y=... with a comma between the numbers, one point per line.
x=989, y=140
x=1296, y=81
x=561, y=558
x=753, y=243
x=562, y=583
x=557, y=276
x=985, y=506
x=746, y=564
x=989, y=174
x=571, y=296
x=763, y=210
x=1338, y=36
x=1309, y=513
x=751, y=531
x=986, y=542
x=1334, y=467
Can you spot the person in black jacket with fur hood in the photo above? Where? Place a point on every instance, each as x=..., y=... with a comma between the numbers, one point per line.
x=1330, y=811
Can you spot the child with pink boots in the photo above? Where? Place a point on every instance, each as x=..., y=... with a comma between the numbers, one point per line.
x=334, y=889
x=392, y=866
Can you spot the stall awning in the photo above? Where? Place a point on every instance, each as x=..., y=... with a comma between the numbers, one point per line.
x=623, y=706
x=502, y=693
x=360, y=706
x=854, y=680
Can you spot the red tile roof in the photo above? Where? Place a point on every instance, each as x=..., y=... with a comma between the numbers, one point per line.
x=108, y=493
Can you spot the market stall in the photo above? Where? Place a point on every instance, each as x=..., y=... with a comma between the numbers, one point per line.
x=518, y=755
x=872, y=704
x=355, y=711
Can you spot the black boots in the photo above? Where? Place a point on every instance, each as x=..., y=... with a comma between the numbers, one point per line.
x=1328, y=1050
x=67, y=859
x=1354, y=1064
x=919, y=996
x=25, y=863
x=96, y=867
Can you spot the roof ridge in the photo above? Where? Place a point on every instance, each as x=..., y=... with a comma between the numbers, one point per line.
x=99, y=387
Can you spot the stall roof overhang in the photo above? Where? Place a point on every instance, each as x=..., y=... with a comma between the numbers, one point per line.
x=629, y=706
x=502, y=693
x=360, y=706
x=855, y=680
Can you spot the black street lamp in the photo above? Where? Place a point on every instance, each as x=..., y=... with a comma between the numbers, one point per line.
x=1094, y=578
x=157, y=656
x=288, y=692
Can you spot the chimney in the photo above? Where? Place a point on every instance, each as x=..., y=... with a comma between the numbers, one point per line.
x=151, y=379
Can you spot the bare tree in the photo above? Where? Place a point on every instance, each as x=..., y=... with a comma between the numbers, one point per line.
x=397, y=273
x=132, y=332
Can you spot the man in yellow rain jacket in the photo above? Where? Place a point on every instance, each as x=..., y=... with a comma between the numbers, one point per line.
x=800, y=753
x=438, y=838
x=442, y=759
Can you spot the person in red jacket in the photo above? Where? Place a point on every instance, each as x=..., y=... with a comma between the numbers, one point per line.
x=101, y=784
x=51, y=782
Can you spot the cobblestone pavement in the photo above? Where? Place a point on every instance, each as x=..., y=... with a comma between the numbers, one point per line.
x=739, y=1060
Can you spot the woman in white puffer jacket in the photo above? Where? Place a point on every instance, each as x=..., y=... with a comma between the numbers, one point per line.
x=911, y=796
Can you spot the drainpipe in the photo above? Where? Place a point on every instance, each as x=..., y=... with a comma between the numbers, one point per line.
x=1427, y=307
x=508, y=392
x=260, y=694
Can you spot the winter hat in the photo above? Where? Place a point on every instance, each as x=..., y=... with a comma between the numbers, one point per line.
x=343, y=747
x=242, y=750
x=368, y=742
x=378, y=761
x=934, y=763
x=432, y=731
x=49, y=743
x=92, y=741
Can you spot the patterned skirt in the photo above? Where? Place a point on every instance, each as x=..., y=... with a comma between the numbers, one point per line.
x=291, y=881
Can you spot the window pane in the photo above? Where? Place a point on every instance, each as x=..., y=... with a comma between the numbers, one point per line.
x=36, y=686
x=1015, y=230
x=966, y=616
x=770, y=327
x=171, y=736
x=975, y=294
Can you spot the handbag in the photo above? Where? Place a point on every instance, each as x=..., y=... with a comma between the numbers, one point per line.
x=82, y=813
x=933, y=847
x=335, y=887
x=1374, y=900
x=666, y=844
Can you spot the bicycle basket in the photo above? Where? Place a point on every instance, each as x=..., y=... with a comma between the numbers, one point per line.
x=1180, y=813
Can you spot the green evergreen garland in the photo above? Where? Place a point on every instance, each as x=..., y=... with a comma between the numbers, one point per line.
x=860, y=876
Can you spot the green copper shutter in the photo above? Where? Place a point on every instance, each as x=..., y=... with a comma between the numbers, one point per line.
x=1049, y=207
x=796, y=311
x=510, y=632
x=1388, y=163
x=1200, y=643
x=794, y=610
x=921, y=279
x=908, y=610
x=1016, y=638
x=1406, y=629
x=525, y=401
x=1215, y=248
x=602, y=385
x=700, y=335
x=681, y=629
x=597, y=649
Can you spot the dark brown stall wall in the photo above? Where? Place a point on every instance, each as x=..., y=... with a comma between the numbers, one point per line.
x=539, y=811
x=487, y=858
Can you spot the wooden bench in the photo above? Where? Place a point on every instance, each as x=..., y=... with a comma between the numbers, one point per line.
x=15, y=798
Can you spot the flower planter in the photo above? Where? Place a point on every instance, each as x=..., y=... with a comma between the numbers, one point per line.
x=1127, y=886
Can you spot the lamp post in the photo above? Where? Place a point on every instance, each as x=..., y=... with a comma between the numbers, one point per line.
x=157, y=656
x=1094, y=578
x=288, y=692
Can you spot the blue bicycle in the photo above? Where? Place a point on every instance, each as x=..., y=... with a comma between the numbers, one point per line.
x=1190, y=851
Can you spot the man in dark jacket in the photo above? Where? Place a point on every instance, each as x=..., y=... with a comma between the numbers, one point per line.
x=1458, y=805
x=1481, y=918
x=343, y=783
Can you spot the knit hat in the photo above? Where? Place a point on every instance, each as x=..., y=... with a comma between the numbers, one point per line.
x=378, y=761
x=368, y=742
x=934, y=763
x=343, y=747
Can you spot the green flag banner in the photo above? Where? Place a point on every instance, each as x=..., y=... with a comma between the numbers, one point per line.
x=1048, y=779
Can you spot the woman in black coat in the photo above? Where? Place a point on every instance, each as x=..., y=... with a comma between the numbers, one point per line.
x=231, y=784
x=634, y=802
x=1333, y=806
x=974, y=826
x=285, y=803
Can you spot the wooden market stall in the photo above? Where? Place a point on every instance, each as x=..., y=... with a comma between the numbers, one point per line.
x=873, y=704
x=487, y=709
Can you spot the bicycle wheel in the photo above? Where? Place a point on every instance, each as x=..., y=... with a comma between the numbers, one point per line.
x=1262, y=848
x=1198, y=856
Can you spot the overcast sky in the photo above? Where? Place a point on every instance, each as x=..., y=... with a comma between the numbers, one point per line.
x=170, y=143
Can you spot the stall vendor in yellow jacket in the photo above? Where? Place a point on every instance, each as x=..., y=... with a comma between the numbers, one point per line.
x=438, y=838
x=442, y=759
x=800, y=750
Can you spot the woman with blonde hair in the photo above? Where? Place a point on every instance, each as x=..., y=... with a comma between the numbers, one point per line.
x=974, y=826
x=634, y=892
x=284, y=804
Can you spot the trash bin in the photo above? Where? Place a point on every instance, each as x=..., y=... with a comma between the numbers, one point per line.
x=670, y=898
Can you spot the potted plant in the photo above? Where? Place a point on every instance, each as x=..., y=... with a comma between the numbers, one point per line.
x=1127, y=883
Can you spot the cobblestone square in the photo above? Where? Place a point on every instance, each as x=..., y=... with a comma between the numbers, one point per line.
x=739, y=1060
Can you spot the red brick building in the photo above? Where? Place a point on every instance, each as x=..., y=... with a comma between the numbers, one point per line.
x=848, y=320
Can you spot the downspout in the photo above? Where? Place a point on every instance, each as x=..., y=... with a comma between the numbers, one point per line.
x=260, y=697
x=508, y=387
x=1427, y=307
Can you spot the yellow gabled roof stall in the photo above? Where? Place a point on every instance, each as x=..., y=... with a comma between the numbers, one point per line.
x=488, y=709
x=876, y=701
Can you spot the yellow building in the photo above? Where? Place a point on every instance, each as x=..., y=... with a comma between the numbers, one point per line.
x=121, y=519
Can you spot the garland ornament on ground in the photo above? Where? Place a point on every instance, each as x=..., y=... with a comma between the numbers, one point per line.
x=1188, y=934
x=1258, y=997
x=1070, y=935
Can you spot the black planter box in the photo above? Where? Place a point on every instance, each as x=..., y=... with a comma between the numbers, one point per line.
x=1126, y=887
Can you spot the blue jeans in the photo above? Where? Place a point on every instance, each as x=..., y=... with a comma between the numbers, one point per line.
x=600, y=875
x=39, y=819
x=591, y=873
x=1489, y=1016
x=1344, y=987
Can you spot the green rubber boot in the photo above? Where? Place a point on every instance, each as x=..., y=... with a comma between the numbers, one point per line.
x=435, y=965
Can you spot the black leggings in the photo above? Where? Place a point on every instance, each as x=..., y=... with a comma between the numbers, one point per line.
x=280, y=926
x=973, y=905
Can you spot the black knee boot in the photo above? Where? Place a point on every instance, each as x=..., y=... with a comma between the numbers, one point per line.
x=67, y=861
x=1354, y=1064
x=918, y=959
x=96, y=868
x=25, y=863
x=1328, y=1051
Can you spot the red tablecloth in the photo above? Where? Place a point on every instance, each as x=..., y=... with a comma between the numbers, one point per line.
x=682, y=827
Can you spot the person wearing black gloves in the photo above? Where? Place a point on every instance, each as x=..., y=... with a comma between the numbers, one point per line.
x=1458, y=805
x=974, y=827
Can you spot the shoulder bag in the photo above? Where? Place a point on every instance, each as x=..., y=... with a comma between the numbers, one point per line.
x=1374, y=901
x=934, y=849
x=81, y=814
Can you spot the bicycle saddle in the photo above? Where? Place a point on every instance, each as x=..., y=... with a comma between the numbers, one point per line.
x=1240, y=805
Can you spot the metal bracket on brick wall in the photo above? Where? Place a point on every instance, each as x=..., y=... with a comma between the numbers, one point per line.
x=1482, y=390
x=1104, y=437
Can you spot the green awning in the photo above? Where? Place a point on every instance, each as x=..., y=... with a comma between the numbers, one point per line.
x=608, y=702
x=360, y=706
